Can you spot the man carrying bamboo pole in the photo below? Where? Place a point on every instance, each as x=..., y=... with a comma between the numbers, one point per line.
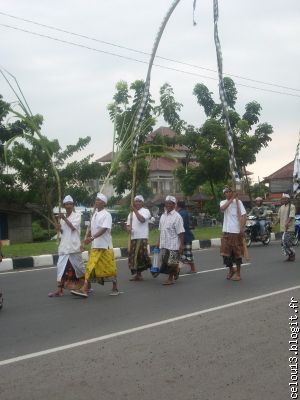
x=138, y=257
x=232, y=247
x=1, y=295
x=286, y=218
x=70, y=266
x=101, y=266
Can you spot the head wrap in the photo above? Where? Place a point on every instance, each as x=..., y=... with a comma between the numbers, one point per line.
x=285, y=195
x=139, y=197
x=68, y=199
x=227, y=189
x=171, y=198
x=258, y=199
x=102, y=197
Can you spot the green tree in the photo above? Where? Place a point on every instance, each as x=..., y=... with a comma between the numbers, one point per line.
x=28, y=175
x=122, y=111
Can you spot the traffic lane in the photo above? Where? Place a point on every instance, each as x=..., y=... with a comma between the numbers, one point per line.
x=30, y=321
x=238, y=353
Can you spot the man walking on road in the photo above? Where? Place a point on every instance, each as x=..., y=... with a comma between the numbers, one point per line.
x=1, y=296
x=171, y=240
x=70, y=266
x=187, y=256
x=138, y=258
x=101, y=266
x=286, y=217
x=232, y=246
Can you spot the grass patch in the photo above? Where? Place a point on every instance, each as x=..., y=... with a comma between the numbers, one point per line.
x=120, y=239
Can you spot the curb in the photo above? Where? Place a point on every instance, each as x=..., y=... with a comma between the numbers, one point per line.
x=46, y=260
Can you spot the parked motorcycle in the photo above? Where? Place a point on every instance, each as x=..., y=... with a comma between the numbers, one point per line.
x=297, y=230
x=252, y=231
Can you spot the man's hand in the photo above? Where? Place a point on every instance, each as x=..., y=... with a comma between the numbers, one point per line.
x=88, y=240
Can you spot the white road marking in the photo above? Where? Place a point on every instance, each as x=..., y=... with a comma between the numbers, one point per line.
x=21, y=271
x=27, y=270
x=209, y=270
x=141, y=328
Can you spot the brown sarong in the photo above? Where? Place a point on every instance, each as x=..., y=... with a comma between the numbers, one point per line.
x=232, y=245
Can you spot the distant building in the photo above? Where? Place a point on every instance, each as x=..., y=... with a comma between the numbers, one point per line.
x=162, y=180
x=280, y=181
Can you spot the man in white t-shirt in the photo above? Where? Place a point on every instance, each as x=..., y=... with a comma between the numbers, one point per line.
x=70, y=266
x=138, y=226
x=232, y=246
x=101, y=266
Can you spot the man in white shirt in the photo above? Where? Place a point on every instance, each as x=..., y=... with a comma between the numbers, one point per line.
x=138, y=226
x=232, y=246
x=70, y=266
x=286, y=217
x=171, y=240
x=101, y=266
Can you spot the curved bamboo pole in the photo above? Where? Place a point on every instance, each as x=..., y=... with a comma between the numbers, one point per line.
x=229, y=133
x=142, y=106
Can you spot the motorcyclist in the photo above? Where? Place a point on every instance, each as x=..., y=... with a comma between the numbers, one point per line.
x=260, y=213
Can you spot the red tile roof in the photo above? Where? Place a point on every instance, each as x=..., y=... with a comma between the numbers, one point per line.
x=106, y=158
x=162, y=164
x=284, y=172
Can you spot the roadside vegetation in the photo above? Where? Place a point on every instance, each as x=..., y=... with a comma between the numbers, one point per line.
x=120, y=239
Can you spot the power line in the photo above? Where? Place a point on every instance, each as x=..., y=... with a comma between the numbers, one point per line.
x=142, y=52
x=139, y=61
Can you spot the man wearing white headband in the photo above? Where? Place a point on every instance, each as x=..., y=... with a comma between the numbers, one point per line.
x=101, y=266
x=138, y=226
x=232, y=248
x=70, y=266
x=171, y=240
x=286, y=217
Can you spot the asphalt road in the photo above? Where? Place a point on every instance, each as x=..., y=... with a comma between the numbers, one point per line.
x=203, y=338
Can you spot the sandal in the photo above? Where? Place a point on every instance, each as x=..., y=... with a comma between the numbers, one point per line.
x=236, y=278
x=136, y=279
x=55, y=294
x=80, y=293
x=167, y=283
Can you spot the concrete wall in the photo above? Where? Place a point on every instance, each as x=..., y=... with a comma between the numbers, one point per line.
x=19, y=227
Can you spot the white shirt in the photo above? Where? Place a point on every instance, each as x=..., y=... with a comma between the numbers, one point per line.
x=231, y=221
x=102, y=219
x=70, y=240
x=140, y=230
x=170, y=226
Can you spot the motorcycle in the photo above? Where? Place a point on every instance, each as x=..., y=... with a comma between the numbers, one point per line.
x=297, y=230
x=252, y=231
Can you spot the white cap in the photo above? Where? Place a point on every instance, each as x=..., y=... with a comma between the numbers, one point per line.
x=285, y=195
x=68, y=199
x=102, y=197
x=258, y=199
x=227, y=189
x=171, y=198
x=139, y=197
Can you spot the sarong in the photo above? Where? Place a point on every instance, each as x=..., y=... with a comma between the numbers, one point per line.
x=169, y=261
x=232, y=248
x=187, y=256
x=70, y=271
x=101, y=266
x=287, y=243
x=138, y=259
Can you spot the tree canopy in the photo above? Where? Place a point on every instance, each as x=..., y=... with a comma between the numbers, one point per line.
x=27, y=176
